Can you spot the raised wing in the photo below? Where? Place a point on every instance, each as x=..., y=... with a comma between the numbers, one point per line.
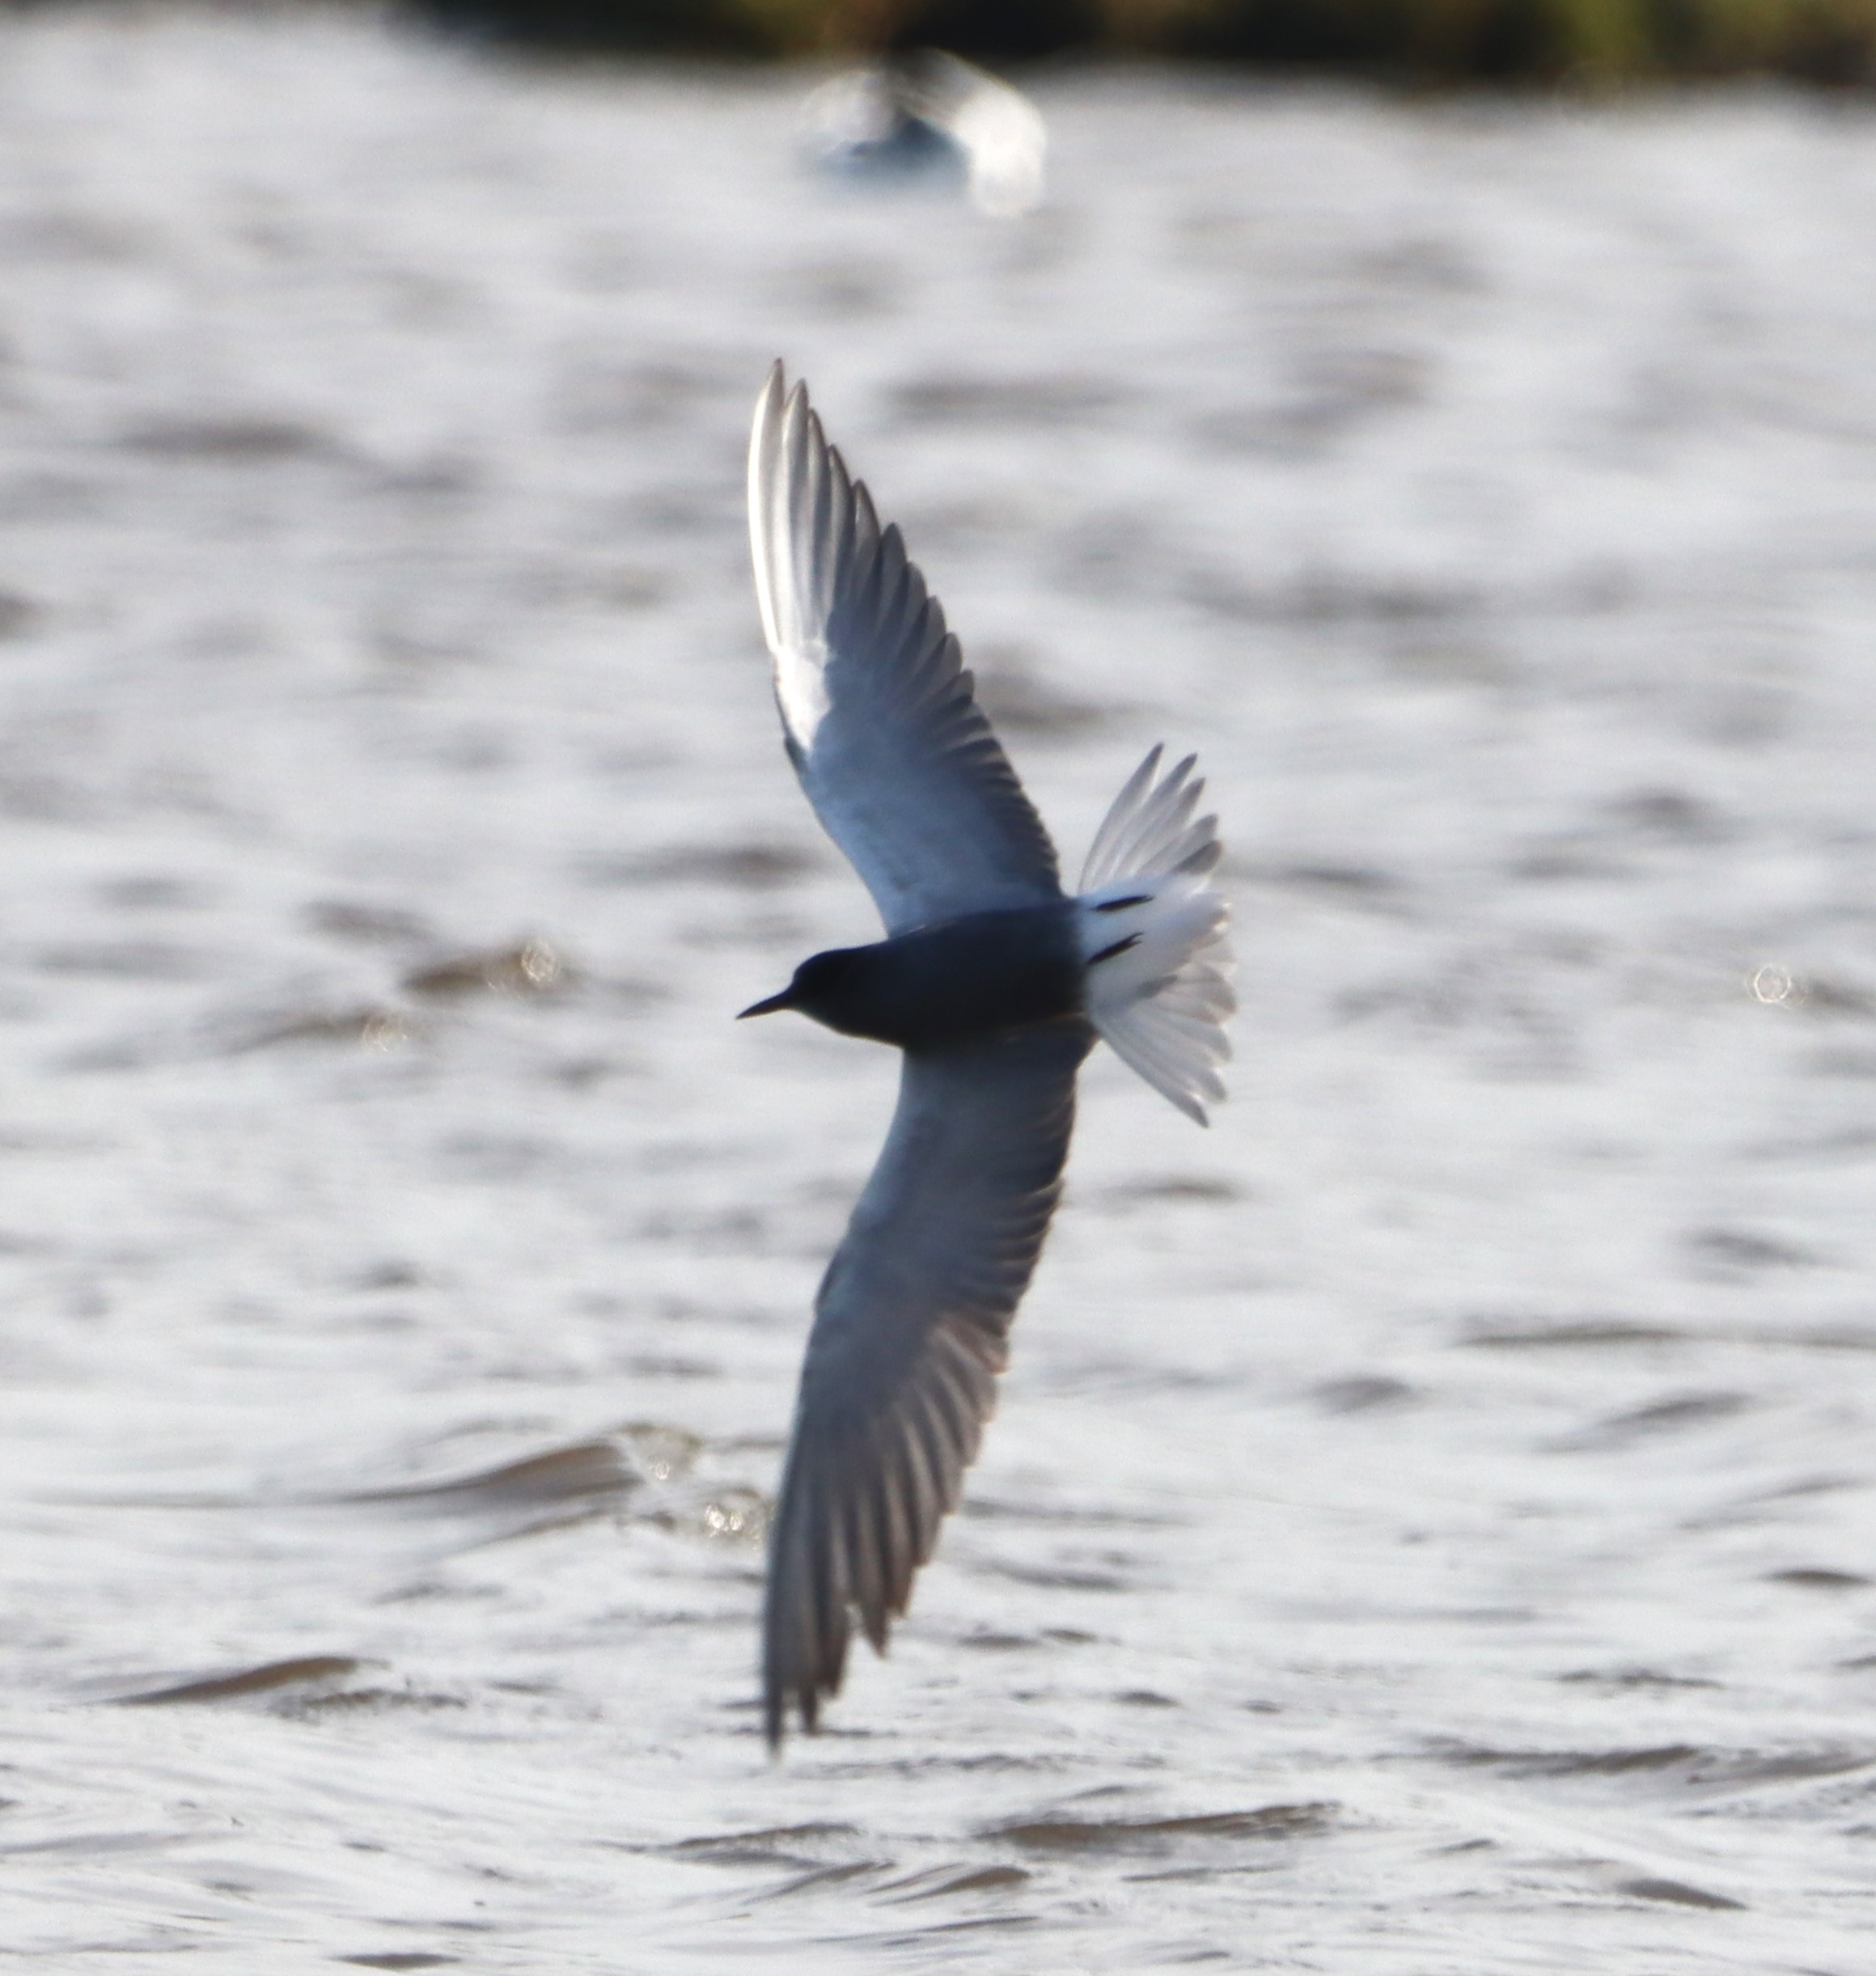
x=895, y=755
x=911, y=1329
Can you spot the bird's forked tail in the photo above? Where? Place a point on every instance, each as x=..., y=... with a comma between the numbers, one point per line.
x=1152, y=933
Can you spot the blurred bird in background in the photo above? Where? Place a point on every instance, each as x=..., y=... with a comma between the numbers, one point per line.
x=927, y=115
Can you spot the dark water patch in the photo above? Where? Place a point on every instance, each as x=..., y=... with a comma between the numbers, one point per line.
x=653, y=394
x=1806, y=1487
x=1448, y=656
x=1338, y=394
x=41, y=796
x=1677, y=1894
x=1818, y=1578
x=1145, y=1698
x=1325, y=598
x=1829, y=995
x=708, y=1231
x=1362, y=1393
x=1854, y=1143
x=1173, y=1189
x=390, y=1275
x=1570, y=1762
x=848, y=291
x=762, y=867
x=777, y=1845
x=1624, y=1679
x=1590, y=1333
x=588, y=1073
x=941, y=1932
x=125, y=960
x=440, y=476
x=368, y=1025
x=984, y=1640
x=628, y=991
x=366, y=925
x=1363, y=885
x=762, y=932
x=997, y=1509
x=833, y=1876
x=399, y=1959
x=977, y=1880
x=1020, y=700
x=1066, y=1835
x=256, y=440
x=1860, y=1065
x=1138, y=1377
x=1732, y=1252
x=1519, y=1023
x=1216, y=1869
x=984, y=1925
x=1569, y=863
x=343, y=1702
x=1666, y=1417
x=19, y=615
x=496, y=1158
x=1826, y=1337
x=1665, y=816
x=586, y=1476
x=608, y=586
x=583, y=1471
x=94, y=1845
x=666, y=1365
x=1683, y=1763
x=1057, y=399
x=269, y=1677
x=702, y=512
x=152, y=891
x=1058, y=1578
x=527, y=967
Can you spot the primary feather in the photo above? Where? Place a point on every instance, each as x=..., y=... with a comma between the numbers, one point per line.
x=911, y=1329
x=891, y=748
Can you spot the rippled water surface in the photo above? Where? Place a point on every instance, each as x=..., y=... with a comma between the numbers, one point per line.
x=1429, y=1527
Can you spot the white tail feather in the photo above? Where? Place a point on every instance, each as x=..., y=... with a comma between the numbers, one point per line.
x=1152, y=931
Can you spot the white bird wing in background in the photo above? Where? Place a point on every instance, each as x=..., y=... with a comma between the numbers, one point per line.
x=911, y=1329
x=897, y=758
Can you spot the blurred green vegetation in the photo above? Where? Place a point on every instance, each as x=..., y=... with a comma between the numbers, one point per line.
x=1588, y=41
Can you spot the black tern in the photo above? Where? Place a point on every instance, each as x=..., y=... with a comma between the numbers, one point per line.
x=993, y=983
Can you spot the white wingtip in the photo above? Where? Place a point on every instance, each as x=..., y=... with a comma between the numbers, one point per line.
x=801, y=526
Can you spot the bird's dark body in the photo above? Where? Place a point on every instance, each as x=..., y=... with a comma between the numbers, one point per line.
x=950, y=982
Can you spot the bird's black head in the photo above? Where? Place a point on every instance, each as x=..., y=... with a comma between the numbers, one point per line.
x=824, y=987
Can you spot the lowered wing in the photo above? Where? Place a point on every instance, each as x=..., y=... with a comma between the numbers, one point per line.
x=911, y=1329
x=898, y=759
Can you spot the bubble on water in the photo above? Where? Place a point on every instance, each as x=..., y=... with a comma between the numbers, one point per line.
x=735, y=1516
x=1774, y=984
x=540, y=966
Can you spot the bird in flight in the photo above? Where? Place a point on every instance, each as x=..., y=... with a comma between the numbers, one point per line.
x=993, y=983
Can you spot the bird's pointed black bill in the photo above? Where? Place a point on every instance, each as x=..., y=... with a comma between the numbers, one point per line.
x=783, y=1000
